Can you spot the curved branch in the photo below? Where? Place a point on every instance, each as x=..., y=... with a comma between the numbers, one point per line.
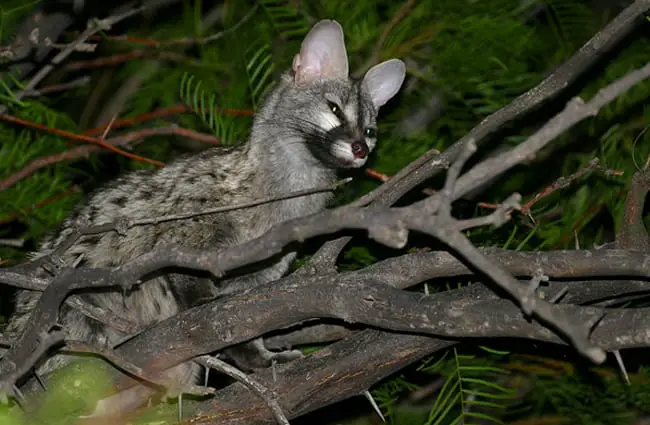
x=432, y=162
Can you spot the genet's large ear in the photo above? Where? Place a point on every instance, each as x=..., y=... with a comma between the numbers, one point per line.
x=384, y=80
x=322, y=53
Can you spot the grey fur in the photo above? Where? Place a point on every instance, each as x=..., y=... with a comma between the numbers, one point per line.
x=288, y=150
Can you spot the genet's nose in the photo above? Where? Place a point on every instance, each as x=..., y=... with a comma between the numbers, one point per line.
x=359, y=149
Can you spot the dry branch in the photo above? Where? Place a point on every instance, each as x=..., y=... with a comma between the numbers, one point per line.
x=79, y=138
x=432, y=162
x=472, y=312
x=94, y=27
x=83, y=151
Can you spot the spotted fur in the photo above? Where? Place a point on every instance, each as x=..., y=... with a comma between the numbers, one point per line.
x=302, y=134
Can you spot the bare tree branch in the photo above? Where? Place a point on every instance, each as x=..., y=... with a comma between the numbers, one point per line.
x=575, y=111
x=433, y=162
x=93, y=28
x=82, y=151
x=468, y=310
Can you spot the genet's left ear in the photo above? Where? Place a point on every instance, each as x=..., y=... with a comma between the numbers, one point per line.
x=384, y=80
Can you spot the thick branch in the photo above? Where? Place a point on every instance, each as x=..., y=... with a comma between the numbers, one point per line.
x=432, y=162
x=562, y=264
x=340, y=371
x=347, y=368
x=472, y=312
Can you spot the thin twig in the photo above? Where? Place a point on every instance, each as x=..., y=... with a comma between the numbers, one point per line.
x=164, y=112
x=377, y=175
x=94, y=27
x=123, y=224
x=79, y=138
x=563, y=182
x=84, y=151
x=55, y=88
x=382, y=177
x=182, y=41
x=575, y=111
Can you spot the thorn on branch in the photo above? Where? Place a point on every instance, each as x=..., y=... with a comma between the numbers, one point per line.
x=621, y=366
x=175, y=391
x=536, y=281
x=40, y=381
x=20, y=397
x=374, y=405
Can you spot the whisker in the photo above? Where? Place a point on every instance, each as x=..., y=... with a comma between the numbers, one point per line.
x=308, y=133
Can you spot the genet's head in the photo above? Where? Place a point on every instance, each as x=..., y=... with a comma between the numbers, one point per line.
x=335, y=114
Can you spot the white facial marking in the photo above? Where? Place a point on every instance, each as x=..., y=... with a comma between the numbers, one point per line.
x=327, y=120
x=371, y=143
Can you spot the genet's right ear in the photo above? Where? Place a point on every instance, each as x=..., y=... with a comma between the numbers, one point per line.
x=322, y=53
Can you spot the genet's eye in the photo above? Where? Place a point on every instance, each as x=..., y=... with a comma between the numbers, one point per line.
x=370, y=133
x=334, y=108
